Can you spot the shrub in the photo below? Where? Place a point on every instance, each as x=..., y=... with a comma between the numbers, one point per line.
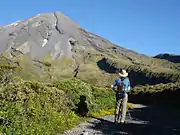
x=30, y=107
x=161, y=93
x=34, y=108
x=97, y=98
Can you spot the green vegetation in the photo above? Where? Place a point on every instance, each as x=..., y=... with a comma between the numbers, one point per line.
x=161, y=93
x=31, y=107
x=169, y=57
x=96, y=98
x=42, y=98
x=34, y=108
x=104, y=112
x=141, y=74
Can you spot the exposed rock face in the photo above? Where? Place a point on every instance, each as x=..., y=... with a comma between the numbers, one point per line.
x=39, y=36
x=51, y=34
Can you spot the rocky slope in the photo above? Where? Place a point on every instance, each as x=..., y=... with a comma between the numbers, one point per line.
x=39, y=36
x=53, y=46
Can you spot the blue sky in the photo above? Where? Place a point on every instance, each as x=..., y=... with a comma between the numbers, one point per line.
x=146, y=26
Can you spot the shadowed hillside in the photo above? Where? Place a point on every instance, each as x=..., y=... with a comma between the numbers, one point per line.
x=169, y=57
x=140, y=74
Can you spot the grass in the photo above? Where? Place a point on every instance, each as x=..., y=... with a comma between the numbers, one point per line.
x=105, y=112
x=150, y=71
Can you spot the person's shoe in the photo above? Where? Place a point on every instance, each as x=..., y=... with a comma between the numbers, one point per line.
x=115, y=121
x=122, y=122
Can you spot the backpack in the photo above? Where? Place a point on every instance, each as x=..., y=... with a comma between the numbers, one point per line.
x=121, y=87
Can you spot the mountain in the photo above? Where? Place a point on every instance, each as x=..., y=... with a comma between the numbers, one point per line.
x=50, y=46
x=169, y=57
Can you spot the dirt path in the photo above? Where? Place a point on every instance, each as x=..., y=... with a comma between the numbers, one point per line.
x=142, y=120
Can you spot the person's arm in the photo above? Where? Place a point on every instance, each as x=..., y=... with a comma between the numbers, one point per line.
x=113, y=85
x=127, y=86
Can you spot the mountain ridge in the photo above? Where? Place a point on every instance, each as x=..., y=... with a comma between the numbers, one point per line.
x=170, y=57
x=71, y=50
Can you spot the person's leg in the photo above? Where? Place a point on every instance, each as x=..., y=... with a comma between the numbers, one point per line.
x=120, y=110
x=124, y=105
x=116, y=112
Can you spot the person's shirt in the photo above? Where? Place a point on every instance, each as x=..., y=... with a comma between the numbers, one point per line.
x=117, y=83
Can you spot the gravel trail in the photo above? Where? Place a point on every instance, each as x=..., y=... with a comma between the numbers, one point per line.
x=142, y=120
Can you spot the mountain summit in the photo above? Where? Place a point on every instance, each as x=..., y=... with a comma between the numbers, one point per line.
x=39, y=36
x=50, y=34
x=58, y=46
